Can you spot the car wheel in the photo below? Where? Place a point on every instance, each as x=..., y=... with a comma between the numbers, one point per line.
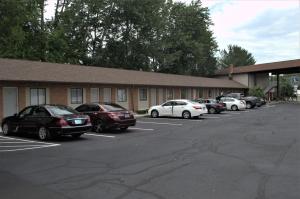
x=234, y=107
x=154, y=114
x=186, y=115
x=43, y=133
x=5, y=129
x=76, y=135
x=99, y=127
x=212, y=110
x=248, y=105
x=124, y=128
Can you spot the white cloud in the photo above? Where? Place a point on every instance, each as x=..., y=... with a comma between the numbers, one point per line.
x=268, y=40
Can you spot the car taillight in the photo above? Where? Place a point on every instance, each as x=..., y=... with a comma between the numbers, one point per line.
x=62, y=122
x=197, y=107
x=113, y=115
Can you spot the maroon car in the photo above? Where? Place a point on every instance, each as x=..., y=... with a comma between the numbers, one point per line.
x=107, y=116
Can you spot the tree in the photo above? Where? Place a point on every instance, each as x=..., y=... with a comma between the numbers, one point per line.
x=235, y=55
x=188, y=46
x=257, y=92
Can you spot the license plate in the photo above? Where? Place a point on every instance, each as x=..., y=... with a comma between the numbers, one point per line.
x=126, y=115
x=77, y=122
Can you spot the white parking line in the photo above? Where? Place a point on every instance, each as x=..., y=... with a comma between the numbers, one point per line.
x=23, y=149
x=100, y=135
x=162, y=123
x=8, y=144
x=210, y=117
x=141, y=129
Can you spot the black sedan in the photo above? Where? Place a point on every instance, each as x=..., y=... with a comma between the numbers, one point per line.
x=47, y=121
x=212, y=105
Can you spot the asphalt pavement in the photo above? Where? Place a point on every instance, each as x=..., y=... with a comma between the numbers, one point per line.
x=252, y=154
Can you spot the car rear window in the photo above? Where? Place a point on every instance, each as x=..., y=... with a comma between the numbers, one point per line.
x=113, y=107
x=61, y=110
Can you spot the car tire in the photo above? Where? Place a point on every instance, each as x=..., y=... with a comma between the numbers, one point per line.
x=44, y=133
x=123, y=128
x=99, y=126
x=248, y=105
x=234, y=108
x=212, y=110
x=5, y=129
x=186, y=114
x=154, y=114
x=77, y=135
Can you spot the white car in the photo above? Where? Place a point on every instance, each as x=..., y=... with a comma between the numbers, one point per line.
x=233, y=104
x=178, y=108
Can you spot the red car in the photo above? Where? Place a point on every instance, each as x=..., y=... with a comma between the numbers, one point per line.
x=107, y=116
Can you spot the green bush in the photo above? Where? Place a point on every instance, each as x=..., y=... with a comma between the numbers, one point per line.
x=256, y=91
x=142, y=111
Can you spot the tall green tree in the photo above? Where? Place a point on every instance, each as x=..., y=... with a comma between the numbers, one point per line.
x=22, y=29
x=235, y=55
x=188, y=44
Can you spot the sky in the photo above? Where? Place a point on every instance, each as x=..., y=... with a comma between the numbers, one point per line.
x=269, y=29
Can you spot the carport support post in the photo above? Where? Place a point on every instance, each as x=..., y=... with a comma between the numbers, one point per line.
x=277, y=79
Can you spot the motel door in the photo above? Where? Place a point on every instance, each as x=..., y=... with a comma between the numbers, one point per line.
x=10, y=101
x=153, y=96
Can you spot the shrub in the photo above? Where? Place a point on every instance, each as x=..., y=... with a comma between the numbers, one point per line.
x=257, y=92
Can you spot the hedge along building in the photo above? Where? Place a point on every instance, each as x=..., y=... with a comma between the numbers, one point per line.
x=24, y=83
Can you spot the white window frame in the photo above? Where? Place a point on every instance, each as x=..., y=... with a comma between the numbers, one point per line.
x=143, y=94
x=96, y=94
x=77, y=101
x=122, y=95
x=39, y=97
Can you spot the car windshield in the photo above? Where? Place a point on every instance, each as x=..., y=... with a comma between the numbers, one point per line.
x=113, y=107
x=61, y=110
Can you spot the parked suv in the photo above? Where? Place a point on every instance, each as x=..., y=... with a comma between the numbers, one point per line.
x=107, y=116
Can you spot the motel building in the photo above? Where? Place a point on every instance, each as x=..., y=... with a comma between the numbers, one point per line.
x=24, y=83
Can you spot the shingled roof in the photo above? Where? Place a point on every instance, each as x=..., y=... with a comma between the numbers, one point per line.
x=35, y=71
x=290, y=64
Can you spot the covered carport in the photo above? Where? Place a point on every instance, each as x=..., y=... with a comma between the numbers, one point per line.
x=258, y=75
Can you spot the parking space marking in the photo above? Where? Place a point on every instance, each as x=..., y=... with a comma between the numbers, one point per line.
x=100, y=135
x=9, y=144
x=210, y=117
x=141, y=129
x=160, y=123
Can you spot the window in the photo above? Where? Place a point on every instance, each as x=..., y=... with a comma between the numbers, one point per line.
x=179, y=103
x=37, y=96
x=26, y=112
x=94, y=95
x=122, y=95
x=184, y=93
x=82, y=108
x=169, y=103
x=143, y=94
x=76, y=95
x=40, y=112
x=169, y=93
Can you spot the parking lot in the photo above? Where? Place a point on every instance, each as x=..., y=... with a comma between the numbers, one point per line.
x=252, y=154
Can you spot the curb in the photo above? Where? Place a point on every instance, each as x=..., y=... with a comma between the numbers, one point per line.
x=139, y=115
